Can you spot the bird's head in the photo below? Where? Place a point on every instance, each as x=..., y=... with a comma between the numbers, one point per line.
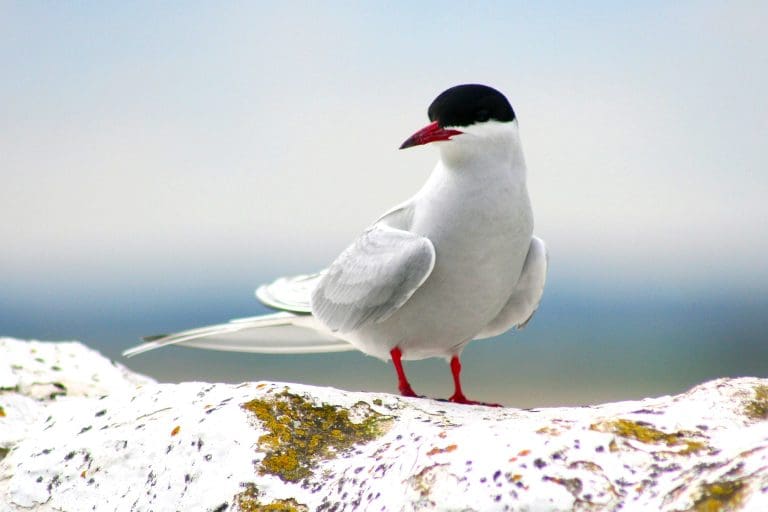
x=468, y=118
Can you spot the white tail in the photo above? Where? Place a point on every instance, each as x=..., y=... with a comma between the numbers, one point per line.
x=278, y=333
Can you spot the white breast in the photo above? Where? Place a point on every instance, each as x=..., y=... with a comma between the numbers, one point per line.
x=481, y=228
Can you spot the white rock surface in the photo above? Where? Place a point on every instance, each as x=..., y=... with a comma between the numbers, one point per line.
x=35, y=373
x=195, y=446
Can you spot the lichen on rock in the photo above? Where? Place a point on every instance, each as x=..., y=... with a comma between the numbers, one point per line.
x=119, y=442
x=720, y=496
x=300, y=432
x=250, y=501
x=757, y=408
x=644, y=432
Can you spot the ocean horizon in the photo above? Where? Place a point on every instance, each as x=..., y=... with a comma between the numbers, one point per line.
x=583, y=346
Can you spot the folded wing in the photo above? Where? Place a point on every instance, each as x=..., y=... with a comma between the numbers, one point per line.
x=525, y=299
x=368, y=282
x=372, y=278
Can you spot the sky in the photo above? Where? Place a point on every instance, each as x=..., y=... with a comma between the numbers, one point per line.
x=159, y=161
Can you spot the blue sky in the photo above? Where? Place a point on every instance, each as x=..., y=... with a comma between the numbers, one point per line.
x=133, y=133
x=178, y=154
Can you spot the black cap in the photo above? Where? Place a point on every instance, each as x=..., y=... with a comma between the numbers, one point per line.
x=468, y=104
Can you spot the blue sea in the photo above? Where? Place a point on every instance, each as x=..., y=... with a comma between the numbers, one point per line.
x=583, y=346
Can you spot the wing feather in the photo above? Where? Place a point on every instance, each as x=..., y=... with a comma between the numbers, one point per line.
x=525, y=299
x=289, y=293
x=278, y=333
x=372, y=278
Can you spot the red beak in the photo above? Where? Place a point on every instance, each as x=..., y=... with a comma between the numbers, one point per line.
x=430, y=133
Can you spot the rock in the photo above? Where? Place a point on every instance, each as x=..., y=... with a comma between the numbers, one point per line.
x=272, y=446
x=33, y=374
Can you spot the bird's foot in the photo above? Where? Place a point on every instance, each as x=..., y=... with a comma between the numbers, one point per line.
x=406, y=390
x=459, y=398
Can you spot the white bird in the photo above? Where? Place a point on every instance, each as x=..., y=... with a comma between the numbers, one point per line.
x=456, y=262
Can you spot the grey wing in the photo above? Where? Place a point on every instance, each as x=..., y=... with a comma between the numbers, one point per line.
x=372, y=278
x=525, y=299
x=290, y=293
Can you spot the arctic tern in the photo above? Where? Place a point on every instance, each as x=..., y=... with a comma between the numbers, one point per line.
x=456, y=262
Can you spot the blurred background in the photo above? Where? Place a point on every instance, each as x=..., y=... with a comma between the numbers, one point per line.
x=159, y=161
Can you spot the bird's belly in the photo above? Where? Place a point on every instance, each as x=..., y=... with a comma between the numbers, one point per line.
x=474, y=275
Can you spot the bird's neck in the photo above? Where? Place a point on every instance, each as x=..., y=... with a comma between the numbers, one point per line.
x=485, y=160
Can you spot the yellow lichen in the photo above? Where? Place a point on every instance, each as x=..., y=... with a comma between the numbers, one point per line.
x=248, y=501
x=645, y=433
x=548, y=430
x=423, y=481
x=2, y=411
x=757, y=408
x=300, y=432
x=719, y=496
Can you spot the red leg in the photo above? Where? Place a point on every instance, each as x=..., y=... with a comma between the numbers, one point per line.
x=458, y=395
x=402, y=382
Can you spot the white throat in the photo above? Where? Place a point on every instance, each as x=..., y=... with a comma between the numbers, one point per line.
x=490, y=148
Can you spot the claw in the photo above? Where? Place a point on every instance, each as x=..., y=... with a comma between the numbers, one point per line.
x=461, y=399
x=458, y=396
x=402, y=382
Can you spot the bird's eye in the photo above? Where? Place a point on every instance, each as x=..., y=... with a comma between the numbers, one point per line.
x=482, y=115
